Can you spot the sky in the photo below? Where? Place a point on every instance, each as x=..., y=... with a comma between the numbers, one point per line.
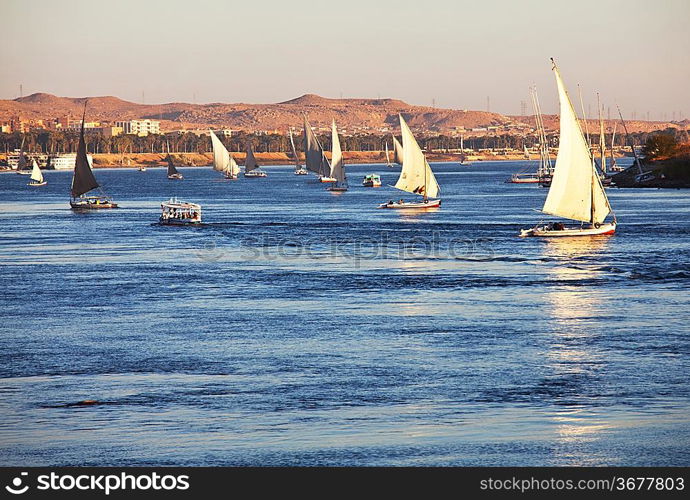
x=451, y=53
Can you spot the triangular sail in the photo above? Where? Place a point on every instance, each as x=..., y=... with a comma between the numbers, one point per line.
x=397, y=152
x=251, y=163
x=171, y=166
x=388, y=157
x=83, y=180
x=416, y=175
x=36, y=174
x=21, y=163
x=294, y=152
x=222, y=159
x=576, y=191
x=315, y=158
x=337, y=164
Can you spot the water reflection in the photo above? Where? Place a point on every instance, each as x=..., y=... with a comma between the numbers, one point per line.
x=573, y=307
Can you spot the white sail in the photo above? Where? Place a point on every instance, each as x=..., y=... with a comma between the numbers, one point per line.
x=337, y=164
x=36, y=174
x=576, y=191
x=233, y=168
x=397, y=151
x=221, y=156
x=388, y=158
x=416, y=175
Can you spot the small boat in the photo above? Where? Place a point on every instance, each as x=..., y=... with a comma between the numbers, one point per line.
x=337, y=163
x=83, y=180
x=142, y=169
x=523, y=178
x=416, y=175
x=463, y=156
x=299, y=169
x=179, y=213
x=36, y=176
x=223, y=160
x=251, y=166
x=314, y=155
x=173, y=174
x=371, y=180
x=576, y=191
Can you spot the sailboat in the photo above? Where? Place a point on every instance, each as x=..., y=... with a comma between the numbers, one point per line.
x=84, y=181
x=251, y=166
x=388, y=157
x=576, y=192
x=223, y=160
x=299, y=170
x=524, y=176
x=337, y=163
x=36, y=176
x=22, y=163
x=416, y=176
x=397, y=152
x=173, y=173
x=315, y=158
x=463, y=156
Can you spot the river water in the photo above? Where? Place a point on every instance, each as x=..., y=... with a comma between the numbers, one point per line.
x=302, y=327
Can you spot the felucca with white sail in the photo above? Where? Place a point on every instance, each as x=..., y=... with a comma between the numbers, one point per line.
x=315, y=158
x=397, y=153
x=416, y=176
x=251, y=166
x=337, y=162
x=576, y=192
x=223, y=160
x=36, y=176
x=299, y=169
x=83, y=180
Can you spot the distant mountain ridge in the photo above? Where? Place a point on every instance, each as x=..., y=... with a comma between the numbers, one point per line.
x=351, y=114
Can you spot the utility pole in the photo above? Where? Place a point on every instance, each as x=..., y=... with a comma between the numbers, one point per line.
x=21, y=91
x=488, y=104
x=523, y=108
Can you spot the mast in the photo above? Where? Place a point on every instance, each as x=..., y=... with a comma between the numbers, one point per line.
x=602, y=138
x=637, y=160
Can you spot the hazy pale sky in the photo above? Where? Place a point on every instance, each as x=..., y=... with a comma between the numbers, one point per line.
x=633, y=52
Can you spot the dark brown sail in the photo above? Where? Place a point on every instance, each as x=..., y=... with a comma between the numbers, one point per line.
x=251, y=163
x=171, y=168
x=83, y=180
x=315, y=159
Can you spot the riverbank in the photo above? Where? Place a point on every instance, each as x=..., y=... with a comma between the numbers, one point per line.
x=671, y=173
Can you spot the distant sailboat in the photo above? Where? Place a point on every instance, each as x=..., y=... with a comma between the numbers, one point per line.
x=388, y=157
x=22, y=164
x=397, y=152
x=416, y=176
x=251, y=166
x=223, y=160
x=576, y=192
x=337, y=163
x=315, y=157
x=173, y=173
x=36, y=176
x=299, y=170
x=524, y=176
x=463, y=156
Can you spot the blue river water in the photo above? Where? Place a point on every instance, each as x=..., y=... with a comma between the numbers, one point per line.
x=303, y=327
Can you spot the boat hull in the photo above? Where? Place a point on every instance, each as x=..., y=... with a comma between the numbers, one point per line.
x=550, y=232
x=37, y=183
x=328, y=179
x=257, y=174
x=371, y=184
x=414, y=204
x=77, y=205
x=525, y=180
x=301, y=172
x=175, y=177
x=178, y=222
x=337, y=189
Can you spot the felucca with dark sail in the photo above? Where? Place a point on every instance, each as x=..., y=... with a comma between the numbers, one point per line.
x=173, y=174
x=416, y=176
x=337, y=163
x=315, y=158
x=83, y=180
x=576, y=192
x=251, y=166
